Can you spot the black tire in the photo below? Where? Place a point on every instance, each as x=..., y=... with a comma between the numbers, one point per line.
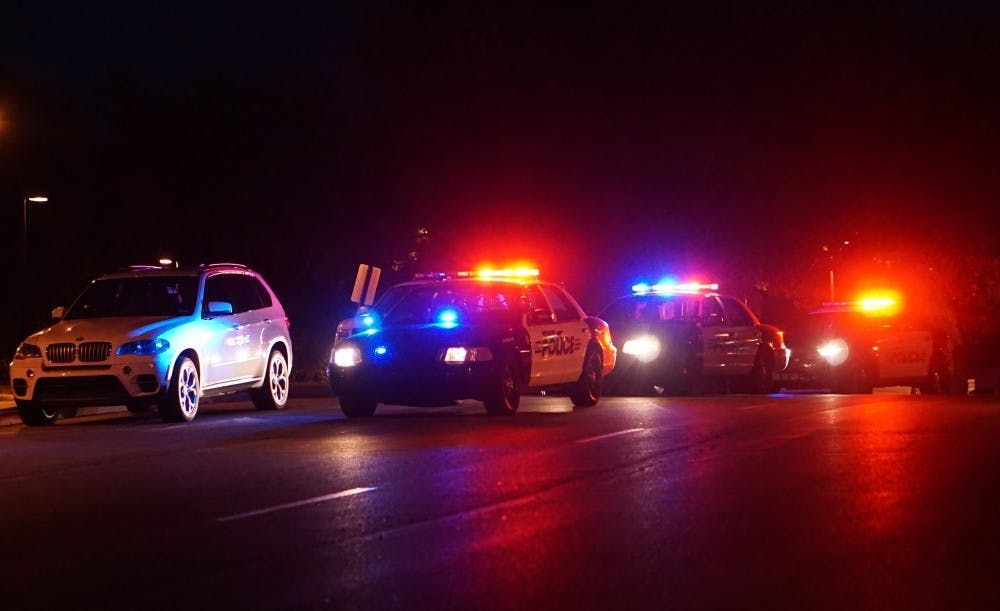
x=138, y=406
x=274, y=392
x=587, y=390
x=184, y=394
x=505, y=396
x=854, y=381
x=356, y=405
x=36, y=415
x=938, y=379
x=762, y=375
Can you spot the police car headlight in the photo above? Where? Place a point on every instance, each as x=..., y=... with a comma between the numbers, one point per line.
x=27, y=351
x=347, y=356
x=645, y=348
x=834, y=352
x=454, y=355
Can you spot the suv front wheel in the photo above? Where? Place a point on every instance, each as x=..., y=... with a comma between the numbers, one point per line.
x=36, y=415
x=181, y=403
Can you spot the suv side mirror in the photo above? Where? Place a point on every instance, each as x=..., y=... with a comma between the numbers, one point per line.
x=219, y=308
x=57, y=313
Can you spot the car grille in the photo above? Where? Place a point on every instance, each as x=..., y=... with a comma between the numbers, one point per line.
x=80, y=391
x=87, y=352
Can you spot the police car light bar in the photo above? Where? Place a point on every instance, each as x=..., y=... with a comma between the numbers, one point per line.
x=686, y=288
x=519, y=272
x=873, y=304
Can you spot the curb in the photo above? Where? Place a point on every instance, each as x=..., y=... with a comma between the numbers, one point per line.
x=9, y=415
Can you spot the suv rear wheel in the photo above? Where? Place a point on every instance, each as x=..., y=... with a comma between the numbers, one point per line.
x=274, y=393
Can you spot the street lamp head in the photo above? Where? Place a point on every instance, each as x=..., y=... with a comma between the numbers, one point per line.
x=38, y=199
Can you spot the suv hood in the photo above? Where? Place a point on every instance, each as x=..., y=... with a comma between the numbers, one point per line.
x=112, y=329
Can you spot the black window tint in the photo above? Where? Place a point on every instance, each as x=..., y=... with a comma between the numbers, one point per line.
x=265, y=297
x=736, y=313
x=710, y=308
x=537, y=305
x=561, y=306
x=239, y=290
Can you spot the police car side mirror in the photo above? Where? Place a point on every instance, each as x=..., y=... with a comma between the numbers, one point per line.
x=539, y=316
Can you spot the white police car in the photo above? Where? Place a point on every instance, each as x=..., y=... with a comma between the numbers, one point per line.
x=855, y=346
x=159, y=336
x=489, y=335
x=673, y=336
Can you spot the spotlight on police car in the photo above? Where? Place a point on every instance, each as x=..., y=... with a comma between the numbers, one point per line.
x=645, y=348
x=834, y=352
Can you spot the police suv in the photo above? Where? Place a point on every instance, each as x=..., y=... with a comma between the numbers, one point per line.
x=672, y=336
x=855, y=346
x=489, y=335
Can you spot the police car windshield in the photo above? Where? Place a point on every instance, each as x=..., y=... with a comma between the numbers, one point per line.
x=137, y=296
x=472, y=302
x=650, y=308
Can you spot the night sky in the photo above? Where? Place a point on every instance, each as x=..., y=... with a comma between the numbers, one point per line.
x=606, y=142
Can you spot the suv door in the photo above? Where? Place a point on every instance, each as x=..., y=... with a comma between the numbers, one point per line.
x=233, y=348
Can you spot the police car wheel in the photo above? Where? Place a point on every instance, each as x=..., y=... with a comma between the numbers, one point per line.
x=505, y=396
x=937, y=381
x=762, y=374
x=356, y=405
x=36, y=415
x=587, y=391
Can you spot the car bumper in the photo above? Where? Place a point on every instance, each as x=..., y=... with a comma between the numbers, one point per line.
x=108, y=383
x=417, y=385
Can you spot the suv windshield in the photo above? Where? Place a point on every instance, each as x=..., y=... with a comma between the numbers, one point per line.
x=474, y=302
x=137, y=296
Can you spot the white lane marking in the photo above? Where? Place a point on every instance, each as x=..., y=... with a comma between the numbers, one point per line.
x=315, y=499
x=625, y=432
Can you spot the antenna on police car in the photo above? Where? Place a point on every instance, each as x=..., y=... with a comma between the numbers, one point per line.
x=361, y=279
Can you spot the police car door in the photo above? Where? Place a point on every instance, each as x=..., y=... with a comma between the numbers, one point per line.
x=904, y=354
x=715, y=336
x=556, y=329
x=743, y=340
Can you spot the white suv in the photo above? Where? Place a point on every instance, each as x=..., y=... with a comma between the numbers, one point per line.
x=157, y=336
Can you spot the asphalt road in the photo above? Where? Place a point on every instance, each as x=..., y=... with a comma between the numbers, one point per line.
x=729, y=502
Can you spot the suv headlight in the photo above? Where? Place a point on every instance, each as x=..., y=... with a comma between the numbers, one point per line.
x=347, y=356
x=645, y=348
x=143, y=347
x=27, y=351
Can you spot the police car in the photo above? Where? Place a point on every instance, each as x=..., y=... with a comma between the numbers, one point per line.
x=674, y=336
x=489, y=335
x=855, y=346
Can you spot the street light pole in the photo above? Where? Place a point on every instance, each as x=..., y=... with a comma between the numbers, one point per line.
x=37, y=198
